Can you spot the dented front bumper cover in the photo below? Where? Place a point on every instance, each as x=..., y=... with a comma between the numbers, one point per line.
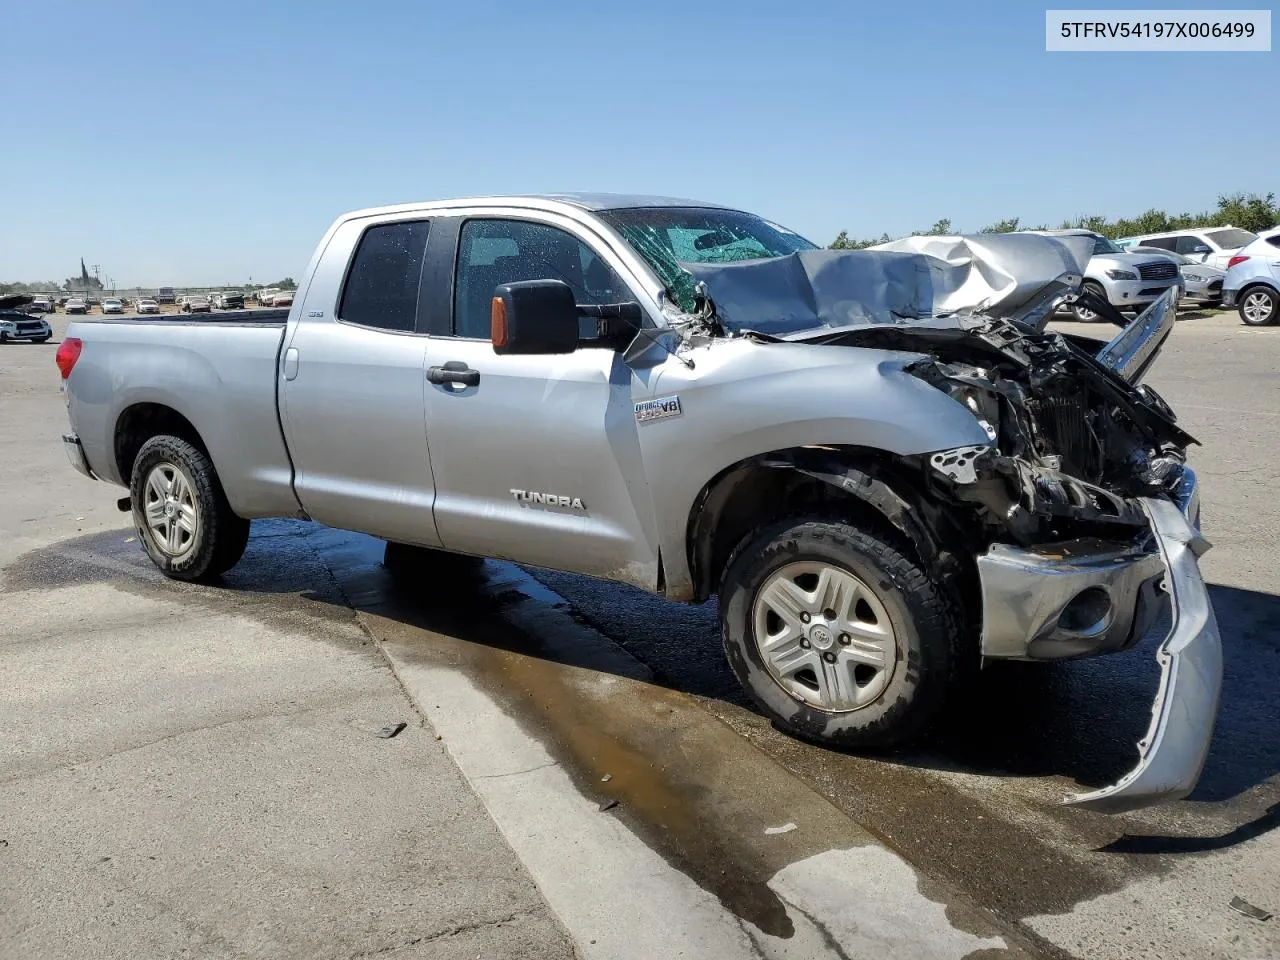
x=1028, y=613
x=1173, y=751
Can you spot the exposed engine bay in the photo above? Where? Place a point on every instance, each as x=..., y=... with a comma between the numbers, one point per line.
x=1073, y=443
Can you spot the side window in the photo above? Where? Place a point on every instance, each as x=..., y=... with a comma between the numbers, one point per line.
x=1186, y=245
x=491, y=252
x=1274, y=241
x=1164, y=243
x=382, y=284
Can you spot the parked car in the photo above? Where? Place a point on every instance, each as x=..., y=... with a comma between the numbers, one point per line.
x=1214, y=246
x=227, y=300
x=881, y=491
x=1252, y=283
x=146, y=305
x=165, y=295
x=112, y=305
x=17, y=324
x=1124, y=280
x=1201, y=281
x=196, y=304
x=264, y=295
x=281, y=298
x=41, y=305
x=77, y=305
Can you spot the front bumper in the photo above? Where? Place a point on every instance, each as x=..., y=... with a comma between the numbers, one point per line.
x=1131, y=293
x=1033, y=591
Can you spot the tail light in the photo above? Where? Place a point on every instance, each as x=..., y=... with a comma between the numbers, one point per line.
x=67, y=355
x=1234, y=260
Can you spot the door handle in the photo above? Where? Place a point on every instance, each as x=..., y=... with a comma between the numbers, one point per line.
x=291, y=363
x=455, y=371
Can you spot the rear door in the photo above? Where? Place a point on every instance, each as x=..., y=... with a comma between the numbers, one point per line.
x=538, y=460
x=351, y=386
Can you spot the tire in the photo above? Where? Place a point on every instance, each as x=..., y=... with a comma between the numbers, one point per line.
x=1259, y=306
x=923, y=654
x=212, y=540
x=1084, y=314
x=44, y=339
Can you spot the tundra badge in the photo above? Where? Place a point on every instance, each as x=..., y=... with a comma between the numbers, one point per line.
x=658, y=408
x=550, y=499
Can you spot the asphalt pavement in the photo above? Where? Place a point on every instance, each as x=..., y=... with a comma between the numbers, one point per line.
x=599, y=784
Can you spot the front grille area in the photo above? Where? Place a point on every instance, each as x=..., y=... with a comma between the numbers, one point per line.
x=1158, y=270
x=1064, y=423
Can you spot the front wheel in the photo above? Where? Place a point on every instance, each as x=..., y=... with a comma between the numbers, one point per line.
x=837, y=635
x=1084, y=314
x=182, y=515
x=1259, y=307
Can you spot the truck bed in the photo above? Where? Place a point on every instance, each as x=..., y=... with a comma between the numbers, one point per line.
x=217, y=371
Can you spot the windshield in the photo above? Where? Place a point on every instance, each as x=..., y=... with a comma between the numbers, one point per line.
x=668, y=236
x=1103, y=245
x=1231, y=238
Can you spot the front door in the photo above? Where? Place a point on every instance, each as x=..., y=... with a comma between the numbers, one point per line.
x=537, y=458
x=352, y=385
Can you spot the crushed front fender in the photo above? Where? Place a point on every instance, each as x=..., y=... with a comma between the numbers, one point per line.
x=1173, y=751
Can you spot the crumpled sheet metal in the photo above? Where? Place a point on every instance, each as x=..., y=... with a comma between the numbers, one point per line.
x=906, y=281
x=1172, y=753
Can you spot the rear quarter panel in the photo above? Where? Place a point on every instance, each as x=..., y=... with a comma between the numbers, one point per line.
x=219, y=376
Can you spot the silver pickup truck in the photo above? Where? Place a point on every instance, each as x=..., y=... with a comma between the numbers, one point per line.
x=879, y=461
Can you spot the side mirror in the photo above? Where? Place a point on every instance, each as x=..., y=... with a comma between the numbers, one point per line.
x=534, y=317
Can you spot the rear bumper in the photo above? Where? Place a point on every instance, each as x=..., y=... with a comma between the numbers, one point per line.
x=1032, y=610
x=75, y=453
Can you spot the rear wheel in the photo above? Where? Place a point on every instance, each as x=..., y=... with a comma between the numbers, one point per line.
x=1083, y=313
x=837, y=635
x=1259, y=306
x=182, y=515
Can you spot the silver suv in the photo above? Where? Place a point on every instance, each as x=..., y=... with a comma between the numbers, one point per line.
x=1252, y=283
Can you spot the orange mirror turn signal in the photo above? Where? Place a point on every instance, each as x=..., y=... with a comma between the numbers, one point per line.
x=498, y=324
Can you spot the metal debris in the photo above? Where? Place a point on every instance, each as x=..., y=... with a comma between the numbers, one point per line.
x=386, y=733
x=785, y=828
x=606, y=778
x=1241, y=905
x=608, y=805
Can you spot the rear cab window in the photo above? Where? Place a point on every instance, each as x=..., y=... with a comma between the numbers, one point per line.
x=381, y=287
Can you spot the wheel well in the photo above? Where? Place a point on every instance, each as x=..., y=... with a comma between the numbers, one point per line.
x=142, y=421
x=1257, y=283
x=761, y=489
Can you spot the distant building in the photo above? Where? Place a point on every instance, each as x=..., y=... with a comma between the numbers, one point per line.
x=83, y=283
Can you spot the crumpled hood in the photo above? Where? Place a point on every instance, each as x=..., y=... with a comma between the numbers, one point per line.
x=906, y=281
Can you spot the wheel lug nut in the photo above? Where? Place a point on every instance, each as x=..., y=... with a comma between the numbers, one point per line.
x=829, y=657
x=804, y=618
x=845, y=639
x=804, y=644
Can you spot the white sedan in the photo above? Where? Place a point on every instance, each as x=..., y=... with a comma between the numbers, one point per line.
x=282, y=298
x=146, y=305
x=112, y=305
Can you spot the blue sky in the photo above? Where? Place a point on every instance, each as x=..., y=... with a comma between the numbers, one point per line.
x=207, y=143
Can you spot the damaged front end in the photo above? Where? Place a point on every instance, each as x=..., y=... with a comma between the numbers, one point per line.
x=1087, y=512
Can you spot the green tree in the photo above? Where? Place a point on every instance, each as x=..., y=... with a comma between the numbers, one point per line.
x=1002, y=226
